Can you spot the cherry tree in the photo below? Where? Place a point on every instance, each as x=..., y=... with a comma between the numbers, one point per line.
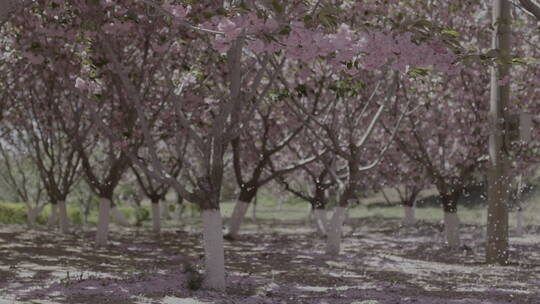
x=261, y=154
x=40, y=130
x=352, y=107
x=524, y=151
x=405, y=177
x=209, y=127
x=233, y=59
x=311, y=184
x=449, y=159
x=532, y=7
x=156, y=192
x=20, y=175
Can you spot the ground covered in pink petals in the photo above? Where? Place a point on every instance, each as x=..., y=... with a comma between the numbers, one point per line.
x=381, y=262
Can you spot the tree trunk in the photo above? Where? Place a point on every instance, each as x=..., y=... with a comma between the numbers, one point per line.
x=32, y=214
x=498, y=183
x=519, y=221
x=321, y=222
x=237, y=217
x=103, y=222
x=309, y=216
x=254, y=211
x=451, y=229
x=118, y=217
x=53, y=217
x=280, y=204
x=156, y=225
x=64, y=222
x=449, y=202
x=213, y=249
x=334, y=231
x=409, y=219
x=164, y=210
x=86, y=211
x=177, y=215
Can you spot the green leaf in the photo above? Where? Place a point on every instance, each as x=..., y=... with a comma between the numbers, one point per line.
x=451, y=33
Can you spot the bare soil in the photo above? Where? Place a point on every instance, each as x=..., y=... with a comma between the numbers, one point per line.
x=381, y=262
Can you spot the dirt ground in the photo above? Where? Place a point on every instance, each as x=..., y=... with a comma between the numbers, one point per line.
x=381, y=262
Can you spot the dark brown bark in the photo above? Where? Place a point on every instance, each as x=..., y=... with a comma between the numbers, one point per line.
x=319, y=198
x=410, y=198
x=532, y=7
x=449, y=200
x=247, y=193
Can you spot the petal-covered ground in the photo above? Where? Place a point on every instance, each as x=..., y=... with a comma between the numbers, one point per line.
x=381, y=262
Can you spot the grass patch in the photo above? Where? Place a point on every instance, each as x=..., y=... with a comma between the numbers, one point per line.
x=12, y=213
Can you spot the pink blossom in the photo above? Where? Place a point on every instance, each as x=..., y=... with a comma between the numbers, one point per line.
x=33, y=58
x=159, y=48
x=221, y=44
x=81, y=84
x=178, y=11
x=120, y=144
x=230, y=29
x=257, y=46
x=271, y=25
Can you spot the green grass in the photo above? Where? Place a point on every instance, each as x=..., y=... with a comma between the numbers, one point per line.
x=292, y=209
x=15, y=213
x=11, y=213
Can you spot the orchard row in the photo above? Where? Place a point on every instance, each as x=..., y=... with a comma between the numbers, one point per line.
x=317, y=95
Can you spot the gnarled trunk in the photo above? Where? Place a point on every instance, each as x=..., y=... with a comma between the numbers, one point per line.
x=64, y=222
x=213, y=249
x=334, y=231
x=102, y=232
x=156, y=223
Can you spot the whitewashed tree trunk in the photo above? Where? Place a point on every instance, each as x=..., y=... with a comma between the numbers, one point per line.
x=32, y=214
x=156, y=225
x=64, y=222
x=333, y=241
x=519, y=221
x=119, y=217
x=409, y=218
x=103, y=222
x=254, y=212
x=309, y=216
x=451, y=229
x=237, y=217
x=213, y=249
x=53, y=217
x=321, y=222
